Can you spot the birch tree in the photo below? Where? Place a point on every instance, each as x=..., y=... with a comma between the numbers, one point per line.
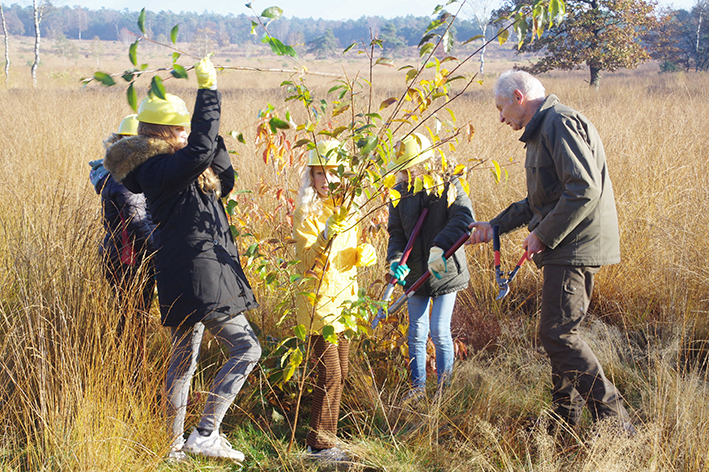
x=7, y=47
x=480, y=16
x=37, y=10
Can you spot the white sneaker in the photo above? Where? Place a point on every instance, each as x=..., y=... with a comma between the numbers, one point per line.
x=175, y=454
x=214, y=445
x=414, y=395
x=330, y=455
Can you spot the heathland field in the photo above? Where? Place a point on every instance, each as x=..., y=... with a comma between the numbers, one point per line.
x=73, y=397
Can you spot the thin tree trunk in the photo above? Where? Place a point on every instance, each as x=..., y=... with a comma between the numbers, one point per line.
x=595, y=76
x=7, y=48
x=37, y=8
x=696, y=48
x=482, y=53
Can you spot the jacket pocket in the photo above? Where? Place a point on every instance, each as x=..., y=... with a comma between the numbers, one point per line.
x=202, y=244
x=543, y=185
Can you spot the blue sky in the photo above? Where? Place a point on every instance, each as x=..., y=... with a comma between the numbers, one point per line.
x=327, y=9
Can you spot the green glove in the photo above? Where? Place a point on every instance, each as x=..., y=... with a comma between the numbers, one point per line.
x=437, y=262
x=206, y=74
x=400, y=271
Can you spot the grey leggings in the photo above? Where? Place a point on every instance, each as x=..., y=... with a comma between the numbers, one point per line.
x=233, y=332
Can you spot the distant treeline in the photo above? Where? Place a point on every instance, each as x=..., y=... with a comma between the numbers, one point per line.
x=82, y=23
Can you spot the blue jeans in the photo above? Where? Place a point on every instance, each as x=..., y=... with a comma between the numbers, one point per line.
x=440, y=322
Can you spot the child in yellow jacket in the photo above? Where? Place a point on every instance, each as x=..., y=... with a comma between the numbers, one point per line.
x=327, y=245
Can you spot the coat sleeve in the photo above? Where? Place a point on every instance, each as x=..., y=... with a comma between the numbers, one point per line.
x=185, y=165
x=514, y=216
x=397, y=235
x=221, y=165
x=135, y=213
x=580, y=176
x=460, y=215
x=310, y=243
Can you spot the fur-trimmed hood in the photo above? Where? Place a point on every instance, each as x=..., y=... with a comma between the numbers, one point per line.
x=126, y=155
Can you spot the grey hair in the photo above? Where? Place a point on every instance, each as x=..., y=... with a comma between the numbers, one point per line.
x=520, y=80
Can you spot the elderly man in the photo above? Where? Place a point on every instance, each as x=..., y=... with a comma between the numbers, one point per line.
x=570, y=213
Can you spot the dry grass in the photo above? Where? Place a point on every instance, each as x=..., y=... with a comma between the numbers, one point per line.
x=69, y=395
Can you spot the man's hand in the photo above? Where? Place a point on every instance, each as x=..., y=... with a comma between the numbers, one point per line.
x=482, y=232
x=532, y=244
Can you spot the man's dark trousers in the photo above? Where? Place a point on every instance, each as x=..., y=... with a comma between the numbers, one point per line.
x=577, y=376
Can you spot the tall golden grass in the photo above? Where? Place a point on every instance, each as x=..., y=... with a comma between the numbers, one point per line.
x=70, y=398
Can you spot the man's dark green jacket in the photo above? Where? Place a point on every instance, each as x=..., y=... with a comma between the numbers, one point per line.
x=570, y=204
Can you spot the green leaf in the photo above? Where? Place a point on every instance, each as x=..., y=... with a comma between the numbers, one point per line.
x=276, y=45
x=296, y=357
x=426, y=38
x=294, y=277
x=277, y=123
x=104, y=78
x=389, y=101
x=178, y=72
x=470, y=40
x=385, y=61
x=270, y=278
x=133, y=53
x=132, y=98
x=231, y=206
x=328, y=332
x=425, y=49
x=173, y=33
x=367, y=145
x=290, y=51
x=175, y=56
x=433, y=25
x=141, y=21
x=348, y=48
x=300, y=332
x=411, y=74
x=129, y=75
x=254, y=25
x=157, y=88
x=273, y=13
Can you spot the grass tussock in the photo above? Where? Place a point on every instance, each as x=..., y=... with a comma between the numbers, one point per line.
x=74, y=396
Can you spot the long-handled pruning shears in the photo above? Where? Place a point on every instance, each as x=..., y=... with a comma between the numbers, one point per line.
x=502, y=281
x=404, y=257
x=396, y=306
